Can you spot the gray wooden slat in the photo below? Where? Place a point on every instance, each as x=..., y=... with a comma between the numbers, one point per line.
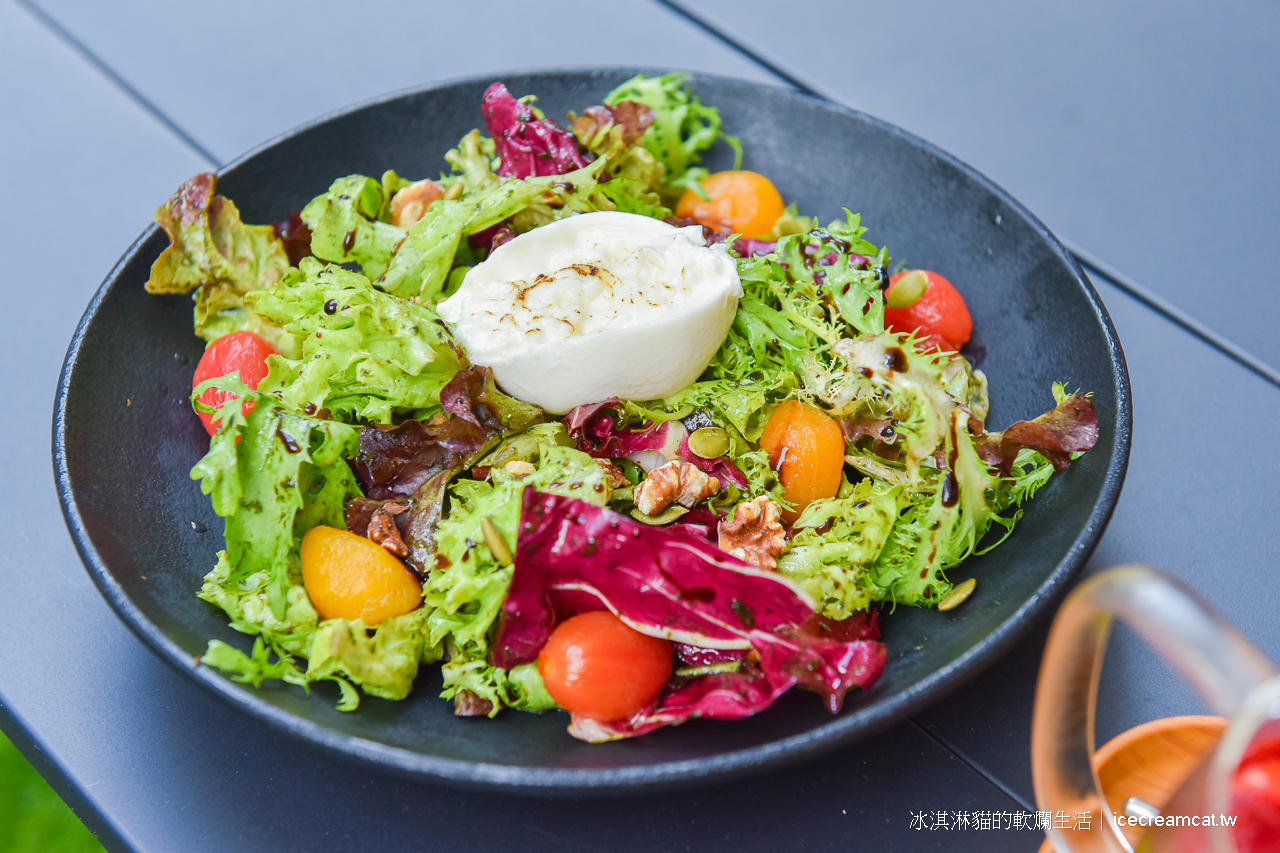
x=1143, y=132
x=238, y=74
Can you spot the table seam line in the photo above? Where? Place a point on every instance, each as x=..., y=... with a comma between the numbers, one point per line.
x=758, y=58
x=118, y=80
x=1174, y=314
x=77, y=799
x=976, y=768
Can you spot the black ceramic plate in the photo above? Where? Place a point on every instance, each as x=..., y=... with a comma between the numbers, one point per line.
x=125, y=438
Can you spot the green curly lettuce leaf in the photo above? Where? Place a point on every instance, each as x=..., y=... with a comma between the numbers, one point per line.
x=942, y=525
x=247, y=602
x=215, y=254
x=474, y=161
x=273, y=474
x=373, y=357
x=683, y=127
x=792, y=313
x=416, y=262
x=834, y=542
x=520, y=687
x=383, y=664
x=466, y=589
x=345, y=226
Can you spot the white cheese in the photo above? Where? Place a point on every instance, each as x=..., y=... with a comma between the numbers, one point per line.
x=595, y=306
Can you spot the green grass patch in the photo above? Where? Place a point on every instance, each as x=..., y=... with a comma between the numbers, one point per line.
x=33, y=819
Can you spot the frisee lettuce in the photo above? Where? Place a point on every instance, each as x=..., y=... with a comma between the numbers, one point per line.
x=363, y=354
x=683, y=127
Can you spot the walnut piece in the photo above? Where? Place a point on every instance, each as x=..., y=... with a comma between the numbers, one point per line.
x=754, y=534
x=383, y=530
x=676, y=482
x=411, y=203
x=613, y=476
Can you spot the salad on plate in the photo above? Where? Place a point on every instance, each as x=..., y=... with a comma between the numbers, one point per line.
x=590, y=427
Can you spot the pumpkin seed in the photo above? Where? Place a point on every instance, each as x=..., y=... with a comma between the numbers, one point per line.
x=709, y=442
x=523, y=447
x=493, y=538
x=667, y=516
x=907, y=290
x=708, y=669
x=958, y=594
x=454, y=191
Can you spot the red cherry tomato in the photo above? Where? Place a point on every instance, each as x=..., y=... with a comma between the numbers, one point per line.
x=940, y=314
x=245, y=352
x=596, y=665
x=1255, y=799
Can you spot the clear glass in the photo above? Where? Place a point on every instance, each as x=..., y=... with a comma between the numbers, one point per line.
x=1233, y=678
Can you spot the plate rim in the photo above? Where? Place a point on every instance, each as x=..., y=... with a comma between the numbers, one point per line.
x=840, y=731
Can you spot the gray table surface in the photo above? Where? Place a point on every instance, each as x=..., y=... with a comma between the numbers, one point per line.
x=1141, y=134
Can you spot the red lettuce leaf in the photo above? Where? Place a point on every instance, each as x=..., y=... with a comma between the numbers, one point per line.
x=597, y=431
x=417, y=460
x=393, y=461
x=417, y=527
x=884, y=437
x=529, y=146
x=1070, y=427
x=673, y=585
x=632, y=119
x=296, y=237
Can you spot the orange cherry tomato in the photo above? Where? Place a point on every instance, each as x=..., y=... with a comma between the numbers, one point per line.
x=245, y=352
x=940, y=314
x=814, y=447
x=743, y=202
x=350, y=577
x=596, y=665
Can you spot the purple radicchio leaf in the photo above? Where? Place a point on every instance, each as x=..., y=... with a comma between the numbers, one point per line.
x=596, y=430
x=702, y=522
x=492, y=237
x=794, y=658
x=1070, y=427
x=672, y=585
x=747, y=246
x=529, y=146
